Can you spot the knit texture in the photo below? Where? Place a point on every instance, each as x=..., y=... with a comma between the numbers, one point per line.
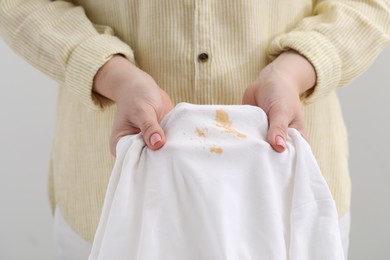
x=70, y=41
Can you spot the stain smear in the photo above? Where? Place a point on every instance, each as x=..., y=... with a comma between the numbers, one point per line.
x=201, y=133
x=215, y=149
x=223, y=121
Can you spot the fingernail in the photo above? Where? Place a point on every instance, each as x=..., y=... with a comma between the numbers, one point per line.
x=155, y=138
x=280, y=141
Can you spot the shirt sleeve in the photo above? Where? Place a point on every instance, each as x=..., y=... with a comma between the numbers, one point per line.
x=59, y=40
x=341, y=40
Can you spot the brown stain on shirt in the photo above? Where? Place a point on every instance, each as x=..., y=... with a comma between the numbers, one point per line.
x=215, y=149
x=223, y=121
x=201, y=133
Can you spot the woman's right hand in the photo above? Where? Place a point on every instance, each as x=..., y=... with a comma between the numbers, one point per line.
x=141, y=103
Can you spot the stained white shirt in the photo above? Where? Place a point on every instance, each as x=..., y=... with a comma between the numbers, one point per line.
x=217, y=190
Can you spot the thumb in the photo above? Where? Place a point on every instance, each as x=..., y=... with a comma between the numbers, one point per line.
x=151, y=130
x=277, y=131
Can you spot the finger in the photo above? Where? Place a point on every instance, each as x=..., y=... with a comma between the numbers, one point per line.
x=277, y=131
x=120, y=130
x=249, y=96
x=151, y=130
x=299, y=125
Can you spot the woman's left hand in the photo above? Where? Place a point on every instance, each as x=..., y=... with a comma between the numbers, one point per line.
x=277, y=91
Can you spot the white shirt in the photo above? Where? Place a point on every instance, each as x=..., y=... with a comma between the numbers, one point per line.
x=217, y=190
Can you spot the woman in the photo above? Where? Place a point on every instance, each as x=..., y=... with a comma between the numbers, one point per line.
x=285, y=57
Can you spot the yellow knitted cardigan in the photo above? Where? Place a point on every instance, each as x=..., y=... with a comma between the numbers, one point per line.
x=70, y=40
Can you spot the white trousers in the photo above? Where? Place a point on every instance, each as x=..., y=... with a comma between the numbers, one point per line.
x=70, y=246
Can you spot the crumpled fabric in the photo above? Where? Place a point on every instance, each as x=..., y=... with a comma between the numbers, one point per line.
x=217, y=191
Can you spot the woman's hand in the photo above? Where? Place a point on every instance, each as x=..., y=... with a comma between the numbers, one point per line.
x=141, y=103
x=277, y=91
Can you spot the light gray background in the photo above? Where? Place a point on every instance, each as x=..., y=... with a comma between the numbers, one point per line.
x=27, y=111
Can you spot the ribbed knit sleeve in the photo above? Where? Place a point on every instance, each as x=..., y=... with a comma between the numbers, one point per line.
x=59, y=40
x=341, y=39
